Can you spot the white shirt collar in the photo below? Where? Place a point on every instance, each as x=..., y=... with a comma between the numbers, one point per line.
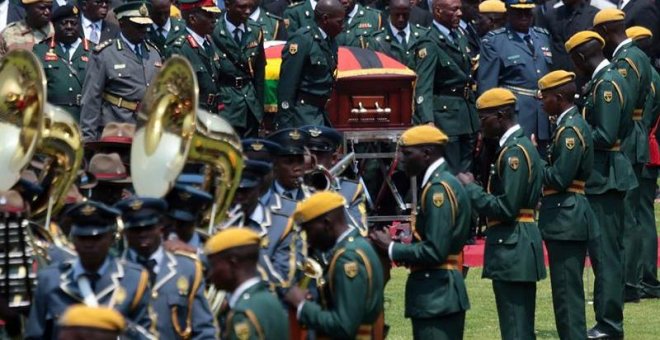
x=313, y=3
x=352, y=13
x=198, y=38
x=157, y=256
x=281, y=190
x=78, y=268
x=236, y=294
x=231, y=27
x=603, y=64
x=166, y=27
x=429, y=171
x=561, y=116
x=128, y=43
x=621, y=45
x=74, y=46
x=323, y=34
x=522, y=35
x=255, y=15
x=444, y=30
x=508, y=134
x=395, y=30
x=86, y=23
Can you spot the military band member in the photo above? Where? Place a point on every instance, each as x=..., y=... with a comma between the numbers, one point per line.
x=95, y=27
x=64, y=58
x=254, y=312
x=84, y=322
x=635, y=67
x=242, y=67
x=446, y=98
x=513, y=257
x=648, y=180
x=33, y=29
x=165, y=29
x=176, y=279
x=307, y=74
x=515, y=57
x=299, y=15
x=195, y=44
x=610, y=115
x=353, y=271
x=265, y=151
x=289, y=164
x=94, y=278
x=271, y=25
x=119, y=72
x=436, y=297
x=359, y=24
x=186, y=205
x=566, y=220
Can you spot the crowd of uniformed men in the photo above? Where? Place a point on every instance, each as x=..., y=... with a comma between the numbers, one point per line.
x=551, y=103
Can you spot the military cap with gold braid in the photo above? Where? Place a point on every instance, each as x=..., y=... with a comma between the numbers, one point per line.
x=495, y=98
x=102, y=318
x=520, y=4
x=608, y=15
x=423, y=134
x=229, y=238
x=205, y=5
x=638, y=32
x=583, y=37
x=492, y=6
x=135, y=11
x=30, y=2
x=316, y=205
x=555, y=79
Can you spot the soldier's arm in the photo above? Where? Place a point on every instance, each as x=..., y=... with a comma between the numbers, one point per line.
x=426, y=62
x=203, y=323
x=562, y=172
x=434, y=249
x=606, y=115
x=291, y=71
x=244, y=326
x=92, y=91
x=36, y=322
x=489, y=66
x=281, y=32
x=282, y=263
x=290, y=18
x=515, y=178
x=140, y=315
x=630, y=72
x=350, y=280
x=260, y=70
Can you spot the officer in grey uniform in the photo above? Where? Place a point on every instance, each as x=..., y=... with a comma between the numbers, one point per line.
x=186, y=205
x=119, y=72
x=516, y=57
x=177, y=282
x=95, y=278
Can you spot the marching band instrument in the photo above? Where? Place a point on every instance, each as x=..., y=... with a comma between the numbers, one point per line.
x=321, y=178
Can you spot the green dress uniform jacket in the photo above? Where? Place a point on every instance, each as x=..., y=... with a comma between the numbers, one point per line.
x=65, y=75
x=298, y=15
x=386, y=41
x=178, y=298
x=205, y=60
x=271, y=25
x=364, y=23
x=513, y=246
x=446, y=97
x=115, y=72
x=177, y=29
x=352, y=298
x=257, y=314
x=242, y=69
x=309, y=64
x=435, y=286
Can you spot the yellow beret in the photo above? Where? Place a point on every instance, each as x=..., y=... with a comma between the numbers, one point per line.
x=638, y=32
x=316, y=205
x=555, y=79
x=495, y=98
x=423, y=134
x=492, y=6
x=608, y=15
x=229, y=238
x=582, y=37
x=93, y=317
x=29, y=2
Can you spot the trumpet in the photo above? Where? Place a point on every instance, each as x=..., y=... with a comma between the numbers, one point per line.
x=321, y=178
x=312, y=270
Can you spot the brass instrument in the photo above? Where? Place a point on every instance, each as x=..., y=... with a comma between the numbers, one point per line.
x=321, y=178
x=312, y=271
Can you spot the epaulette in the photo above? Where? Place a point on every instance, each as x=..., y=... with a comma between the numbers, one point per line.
x=152, y=45
x=192, y=256
x=178, y=42
x=420, y=27
x=103, y=45
x=497, y=31
x=296, y=4
x=274, y=16
x=541, y=30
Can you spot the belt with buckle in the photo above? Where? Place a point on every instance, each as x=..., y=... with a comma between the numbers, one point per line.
x=312, y=99
x=237, y=82
x=524, y=215
x=463, y=92
x=576, y=187
x=523, y=91
x=638, y=114
x=120, y=102
x=615, y=147
x=452, y=263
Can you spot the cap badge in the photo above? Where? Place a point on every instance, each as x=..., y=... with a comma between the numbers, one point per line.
x=75, y=10
x=88, y=210
x=143, y=10
x=257, y=146
x=295, y=135
x=136, y=205
x=315, y=132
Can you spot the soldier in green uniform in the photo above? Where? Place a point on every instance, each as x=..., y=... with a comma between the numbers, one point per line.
x=609, y=113
x=35, y=28
x=85, y=322
x=308, y=71
x=648, y=184
x=242, y=67
x=359, y=24
x=436, y=298
x=635, y=67
x=513, y=257
x=165, y=29
x=64, y=58
x=446, y=98
x=196, y=46
x=353, y=272
x=299, y=15
x=254, y=312
x=566, y=220
x=271, y=25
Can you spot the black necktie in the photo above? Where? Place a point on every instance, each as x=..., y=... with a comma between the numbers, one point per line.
x=149, y=264
x=206, y=45
x=93, y=278
x=404, y=43
x=67, y=48
x=454, y=37
x=237, y=36
x=529, y=43
x=138, y=51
